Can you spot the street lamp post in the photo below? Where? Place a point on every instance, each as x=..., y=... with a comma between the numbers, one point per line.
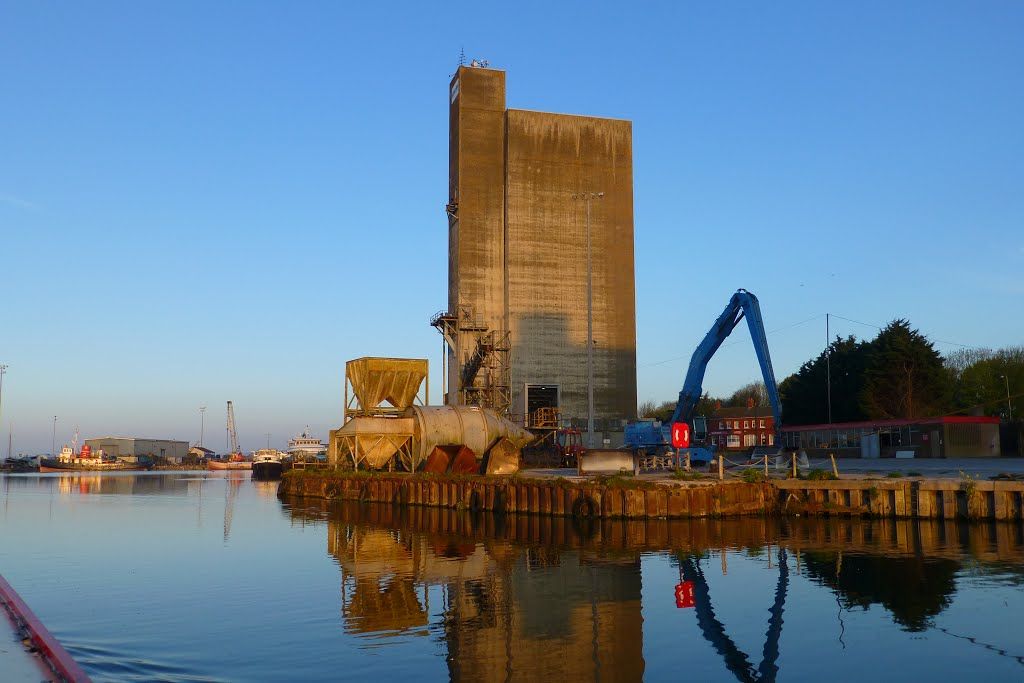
x=1009, y=407
x=3, y=370
x=202, y=424
x=588, y=197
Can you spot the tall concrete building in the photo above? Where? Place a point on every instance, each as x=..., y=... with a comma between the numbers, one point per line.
x=521, y=186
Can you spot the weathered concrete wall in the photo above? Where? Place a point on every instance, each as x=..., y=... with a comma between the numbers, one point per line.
x=536, y=496
x=925, y=498
x=943, y=499
x=517, y=246
x=476, y=177
x=549, y=158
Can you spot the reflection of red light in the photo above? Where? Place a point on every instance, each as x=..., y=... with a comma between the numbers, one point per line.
x=680, y=435
x=684, y=594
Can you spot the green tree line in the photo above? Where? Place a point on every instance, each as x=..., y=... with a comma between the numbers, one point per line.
x=896, y=375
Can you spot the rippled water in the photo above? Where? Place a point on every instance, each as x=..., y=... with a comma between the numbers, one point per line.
x=208, y=576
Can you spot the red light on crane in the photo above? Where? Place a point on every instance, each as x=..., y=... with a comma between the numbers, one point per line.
x=680, y=435
x=684, y=594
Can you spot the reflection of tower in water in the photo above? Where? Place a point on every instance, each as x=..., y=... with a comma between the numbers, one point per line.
x=578, y=618
x=511, y=610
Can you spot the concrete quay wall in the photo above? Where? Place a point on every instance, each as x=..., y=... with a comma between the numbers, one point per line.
x=926, y=498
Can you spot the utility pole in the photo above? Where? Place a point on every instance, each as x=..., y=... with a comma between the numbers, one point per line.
x=1009, y=407
x=202, y=424
x=3, y=371
x=588, y=197
x=828, y=367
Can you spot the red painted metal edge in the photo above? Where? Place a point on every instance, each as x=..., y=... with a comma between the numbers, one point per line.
x=945, y=419
x=52, y=652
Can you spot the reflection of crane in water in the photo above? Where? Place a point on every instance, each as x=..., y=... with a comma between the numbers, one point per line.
x=714, y=632
x=230, y=493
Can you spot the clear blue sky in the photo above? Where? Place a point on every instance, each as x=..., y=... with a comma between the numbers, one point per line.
x=210, y=201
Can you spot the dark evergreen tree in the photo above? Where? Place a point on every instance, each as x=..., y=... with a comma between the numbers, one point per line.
x=904, y=376
x=805, y=393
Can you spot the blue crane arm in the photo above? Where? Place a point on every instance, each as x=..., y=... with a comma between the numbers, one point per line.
x=743, y=304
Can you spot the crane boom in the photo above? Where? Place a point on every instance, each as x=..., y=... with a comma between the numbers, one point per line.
x=232, y=434
x=743, y=304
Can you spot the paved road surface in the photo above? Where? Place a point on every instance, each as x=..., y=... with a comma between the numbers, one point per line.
x=981, y=468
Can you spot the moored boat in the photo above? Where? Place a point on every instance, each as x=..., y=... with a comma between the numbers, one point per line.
x=235, y=461
x=267, y=464
x=306, y=446
x=18, y=465
x=85, y=461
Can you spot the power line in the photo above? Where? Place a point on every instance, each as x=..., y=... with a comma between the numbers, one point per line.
x=739, y=341
x=879, y=327
x=804, y=322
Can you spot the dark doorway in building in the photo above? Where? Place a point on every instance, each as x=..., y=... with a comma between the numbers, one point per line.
x=541, y=396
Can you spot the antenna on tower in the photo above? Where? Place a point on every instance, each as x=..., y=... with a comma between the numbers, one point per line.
x=462, y=56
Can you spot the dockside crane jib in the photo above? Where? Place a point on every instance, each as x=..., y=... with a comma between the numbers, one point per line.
x=742, y=305
x=232, y=434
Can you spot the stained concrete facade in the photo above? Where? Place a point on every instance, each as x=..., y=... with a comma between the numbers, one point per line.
x=517, y=245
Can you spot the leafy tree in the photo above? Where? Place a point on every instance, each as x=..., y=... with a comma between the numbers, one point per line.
x=755, y=393
x=663, y=411
x=981, y=385
x=646, y=409
x=805, y=393
x=905, y=376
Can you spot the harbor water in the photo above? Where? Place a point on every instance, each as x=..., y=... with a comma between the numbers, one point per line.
x=203, y=576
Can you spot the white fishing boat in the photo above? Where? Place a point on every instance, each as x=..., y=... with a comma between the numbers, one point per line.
x=306, y=446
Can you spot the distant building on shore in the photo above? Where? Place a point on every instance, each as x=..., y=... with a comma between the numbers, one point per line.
x=950, y=436
x=201, y=453
x=131, y=448
x=740, y=429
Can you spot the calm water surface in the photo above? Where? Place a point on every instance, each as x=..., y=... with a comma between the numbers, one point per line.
x=209, y=577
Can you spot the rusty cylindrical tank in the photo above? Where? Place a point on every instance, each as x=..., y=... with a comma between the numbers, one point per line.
x=470, y=426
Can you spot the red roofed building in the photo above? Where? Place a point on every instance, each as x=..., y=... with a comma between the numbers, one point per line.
x=741, y=429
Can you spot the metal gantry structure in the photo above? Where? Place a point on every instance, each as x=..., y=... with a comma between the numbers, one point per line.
x=484, y=371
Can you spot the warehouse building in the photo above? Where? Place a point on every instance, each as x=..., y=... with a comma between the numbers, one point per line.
x=131, y=449
x=951, y=436
x=526, y=190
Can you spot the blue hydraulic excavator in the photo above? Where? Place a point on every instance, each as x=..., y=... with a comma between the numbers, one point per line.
x=647, y=437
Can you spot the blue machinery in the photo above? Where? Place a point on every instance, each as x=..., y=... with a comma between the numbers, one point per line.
x=649, y=437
